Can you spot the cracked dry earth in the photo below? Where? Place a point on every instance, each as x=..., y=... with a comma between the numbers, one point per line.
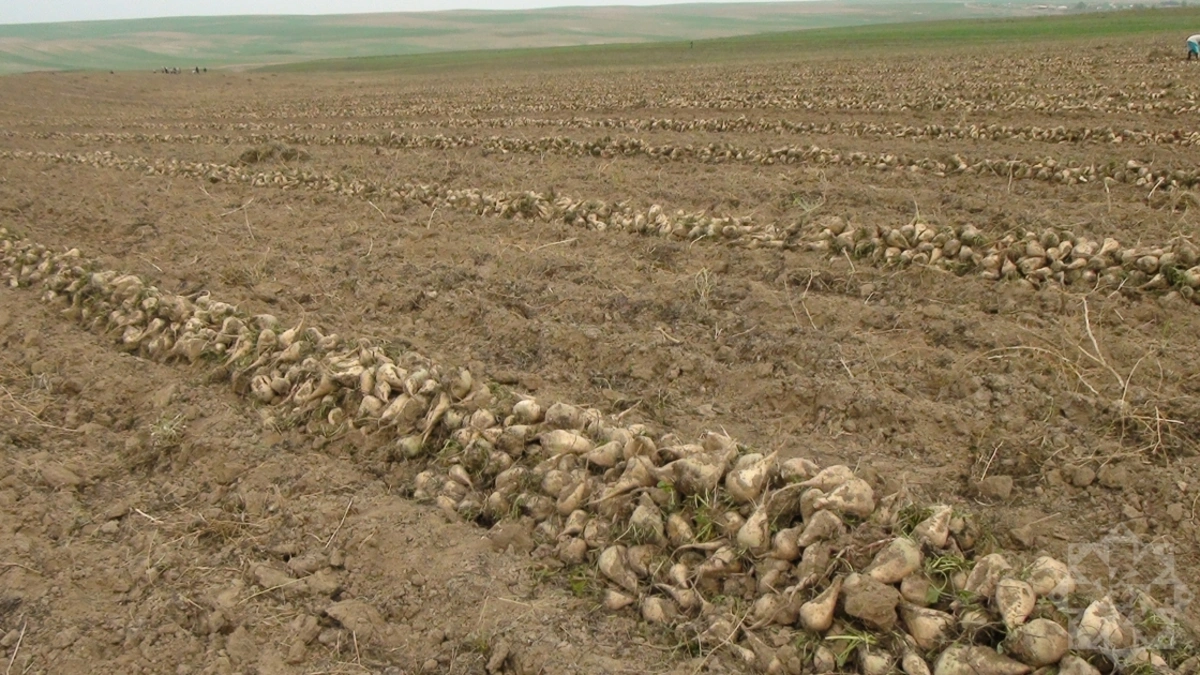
x=154, y=521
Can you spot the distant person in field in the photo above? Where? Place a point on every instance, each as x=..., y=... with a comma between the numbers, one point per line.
x=1194, y=47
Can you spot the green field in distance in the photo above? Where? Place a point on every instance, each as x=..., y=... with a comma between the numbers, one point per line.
x=563, y=36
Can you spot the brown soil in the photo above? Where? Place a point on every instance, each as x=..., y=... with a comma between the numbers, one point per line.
x=150, y=518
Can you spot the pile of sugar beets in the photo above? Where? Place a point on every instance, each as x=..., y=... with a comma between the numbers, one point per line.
x=1032, y=258
x=787, y=565
x=1046, y=169
x=294, y=132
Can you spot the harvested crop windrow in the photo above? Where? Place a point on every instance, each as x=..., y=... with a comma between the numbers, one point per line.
x=717, y=541
x=1034, y=258
x=1045, y=169
x=1050, y=170
x=709, y=152
x=959, y=88
x=294, y=133
x=767, y=88
x=968, y=87
x=740, y=124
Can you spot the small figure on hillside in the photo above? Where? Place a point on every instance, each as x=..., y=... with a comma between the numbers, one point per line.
x=1193, y=47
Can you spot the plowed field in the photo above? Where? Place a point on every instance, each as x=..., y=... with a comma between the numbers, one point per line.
x=967, y=275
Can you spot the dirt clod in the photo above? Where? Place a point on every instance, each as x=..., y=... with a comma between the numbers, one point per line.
x=59, y=477
x=1083, y=476
x=995, y=488
x=871, y=601
x=1113, y=476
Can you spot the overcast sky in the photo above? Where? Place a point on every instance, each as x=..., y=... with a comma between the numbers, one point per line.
x=33, y=11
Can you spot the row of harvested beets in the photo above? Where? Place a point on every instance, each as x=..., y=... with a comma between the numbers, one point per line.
x=684, y=532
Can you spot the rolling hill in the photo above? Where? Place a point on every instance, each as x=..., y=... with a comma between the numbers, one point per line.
x=252, y=41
